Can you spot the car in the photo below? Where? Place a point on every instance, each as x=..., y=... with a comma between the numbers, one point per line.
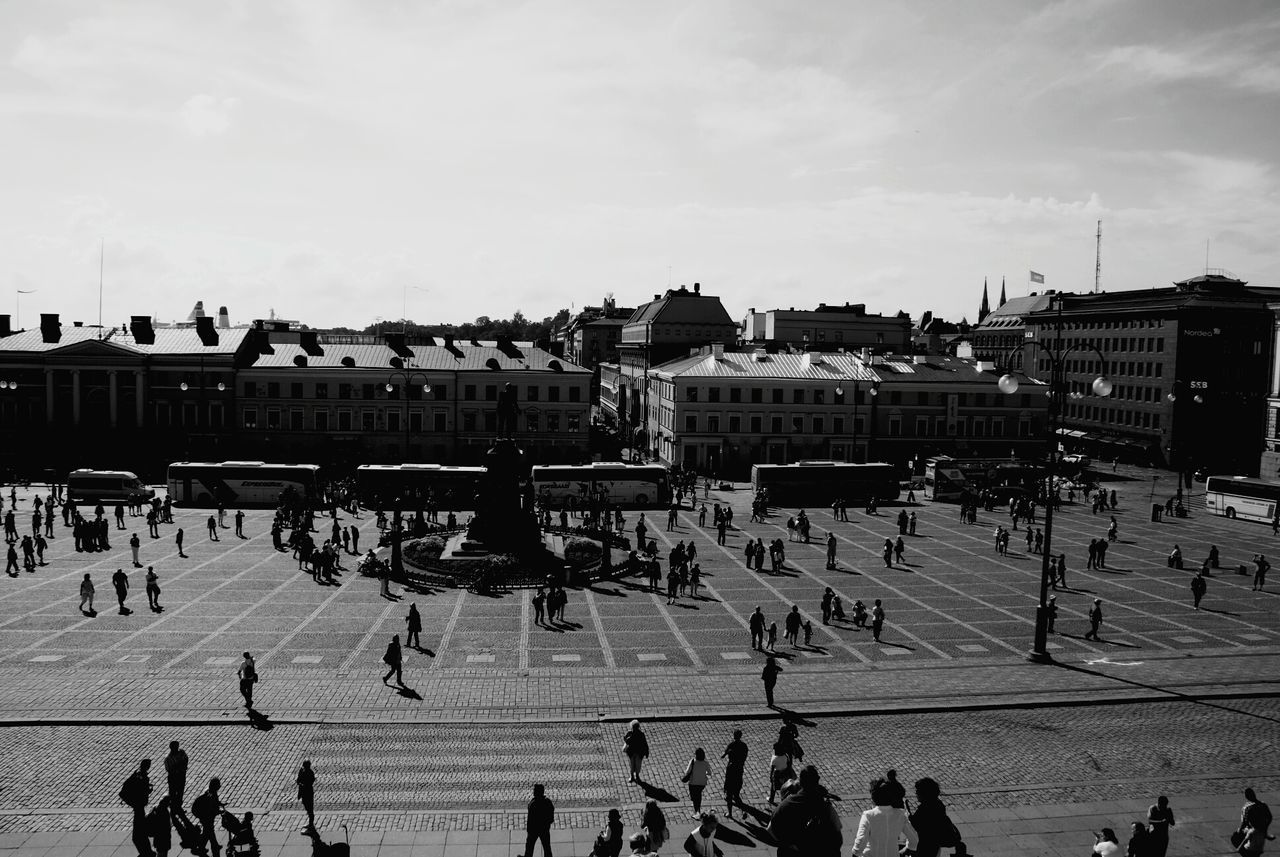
x=1077, y=460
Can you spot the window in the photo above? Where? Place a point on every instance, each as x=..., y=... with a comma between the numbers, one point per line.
x=468, y=392
x=273, y=389
x=713, y=394
x=735, y=424
x=322, y=391
x=757, y=395
x=531, y=422
x=819, y=397
x=344, y=419
x=441, y=392
x=553, y=421
x=797, y=397
x=490, y=421
x=922, y=426
x=369, y=391
x=322, y=420
x=251, y=418
x=250, y=390
x=735, y=394
x=691, y=423
x=797, y=424
x=895, y=426
x=415, y=421
x=553, y=395
x=777, y=396
x=895, y=397
x=344, y=392
x=491, y=393
x=469, y=421
x=532, y=395
x=297, y=419
x=575, y=394
x=1024, y=427
x=439, y=421
x=837, y=425
x=757, y=425
x=1160, y=344
x=393, y=420
x=575, y=420
x=713, y=424
x=273, y=419
x=819, y=426
x=691, y=394
x=775, y=425
x=366, y=420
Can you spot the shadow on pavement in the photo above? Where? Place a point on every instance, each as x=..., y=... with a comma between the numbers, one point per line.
x=260, y=721
x=1173, y=694
x=658, y=793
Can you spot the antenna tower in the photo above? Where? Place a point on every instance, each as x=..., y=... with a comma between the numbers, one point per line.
x=1097, y=265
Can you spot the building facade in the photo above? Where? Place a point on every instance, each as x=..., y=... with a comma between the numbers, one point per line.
x=721, y=412
x=1005, y=329
x=1190, y=367
x=828, y=328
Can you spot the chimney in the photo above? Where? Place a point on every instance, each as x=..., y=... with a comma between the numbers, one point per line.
x=204, y=329
x=657, y=297
x=5, y=327
x=697, y=288
x=310, y=341
x=717, y=350
x=224, y=320
x=140, y=327
x=50, y=329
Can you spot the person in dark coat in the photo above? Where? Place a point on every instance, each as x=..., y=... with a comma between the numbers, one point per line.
x=307, y=792
x=538, y=820
x=394, y=660
x=160, y=827
x=930, y=820
x=414, y=623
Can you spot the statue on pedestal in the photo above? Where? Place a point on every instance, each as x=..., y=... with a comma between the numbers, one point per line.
x=508, y=411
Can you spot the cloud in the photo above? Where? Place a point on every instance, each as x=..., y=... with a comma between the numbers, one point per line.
x=1239, y=69
x=207, y=115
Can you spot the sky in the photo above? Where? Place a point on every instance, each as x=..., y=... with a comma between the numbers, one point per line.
x=344, y=162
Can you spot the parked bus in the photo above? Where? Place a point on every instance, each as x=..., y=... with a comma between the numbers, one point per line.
x=612, y=481
x=943, y=479
x=411, y=486
x=1242, y=497
x=240, y=483
x=819, y=483
x=950, y=479
x=106, y=486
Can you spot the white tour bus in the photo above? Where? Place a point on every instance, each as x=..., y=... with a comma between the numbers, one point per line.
x=103, y=486
x=613, y=481
x=240, y=483
x=1242, y=497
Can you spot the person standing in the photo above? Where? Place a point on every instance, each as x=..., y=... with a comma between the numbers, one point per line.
x=175, y=770
x=1095, y=620
x=120, y=581
x=736, y=754
x=394, y=660
x=1051, y=611
x=134, y=546
x=636, y=748
x=806, y=823
x=248, y=673
x=135, y=793
x=933, y=827
x=177, y=540
x=1261, y=566
x=1198, y=588
x=153, y=590
x=881, y=829
x=414, y=626
x=696, y=775
x=540, y=816
x=239, y=518
x=86, y=596
x=877, y=620
x=206, y=808
x=306, y=781
x=212, y=525
x=755, y=624
x=770, y=677
x=831, y=550
x=1159, y=820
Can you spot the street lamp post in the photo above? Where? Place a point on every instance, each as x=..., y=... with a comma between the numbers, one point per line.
x=874, y=390
x=1008, y=384
x=405, y=378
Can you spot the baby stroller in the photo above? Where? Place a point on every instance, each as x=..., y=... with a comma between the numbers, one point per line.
x=240, y=839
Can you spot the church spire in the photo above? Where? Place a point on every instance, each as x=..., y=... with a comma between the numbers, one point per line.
x=984, y=309
x=1003, y=299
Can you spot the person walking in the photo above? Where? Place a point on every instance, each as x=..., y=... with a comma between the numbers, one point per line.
x=135, y=793
x=696, y=775
x=1051, y=612
x=120, y=581
x=86, y=596
x=177, y=540
x=394, y=659
x=306, y=781
x=135, y=544
x=1198, y=588
x=1062, y=570
x=1261, y=566
x=770, y=677
x=153, y=590
x=206, y=808
x=734, y=770
x=792, y=629
x=159, y=826
x=806, y=823
x=212, y=525
x=932, y=825
x=1255, y=822
x=899, y=550
x=540, y=816
x=635, y=746
x=877, y=620
x=248, y=673
x=413, y=623
x=175, y=770
x=1159, y=820
x=1095, y=620
x=654, y=825
x=755, y=624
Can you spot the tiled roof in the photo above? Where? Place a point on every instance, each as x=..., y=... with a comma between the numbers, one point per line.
x=32, y=340
x=1010, y=313
x=938, y=370
x=425, y=357
x=183, y=340
x=737, y=364
x=683, y=307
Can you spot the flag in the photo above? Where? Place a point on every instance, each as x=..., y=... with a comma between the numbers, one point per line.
x=1037, y=278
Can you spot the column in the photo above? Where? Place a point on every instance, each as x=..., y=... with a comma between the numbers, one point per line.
x=1275, y=361
x=113, y=392
x=139, y=405
x=48, y=396
x=75, y=397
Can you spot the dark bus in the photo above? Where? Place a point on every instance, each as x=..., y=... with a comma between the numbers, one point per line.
x=819, y=483
x=411, y=486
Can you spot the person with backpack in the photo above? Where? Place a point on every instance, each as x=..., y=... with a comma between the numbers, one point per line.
x=1255, y=824
x=696, y=775
x=701, y=841
x=636, y=748
x=205, y=810
x=135, y=793
x=248, y=673
x=930, y=820
x=882, y=828
x=160, y=827
x=806, y=823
